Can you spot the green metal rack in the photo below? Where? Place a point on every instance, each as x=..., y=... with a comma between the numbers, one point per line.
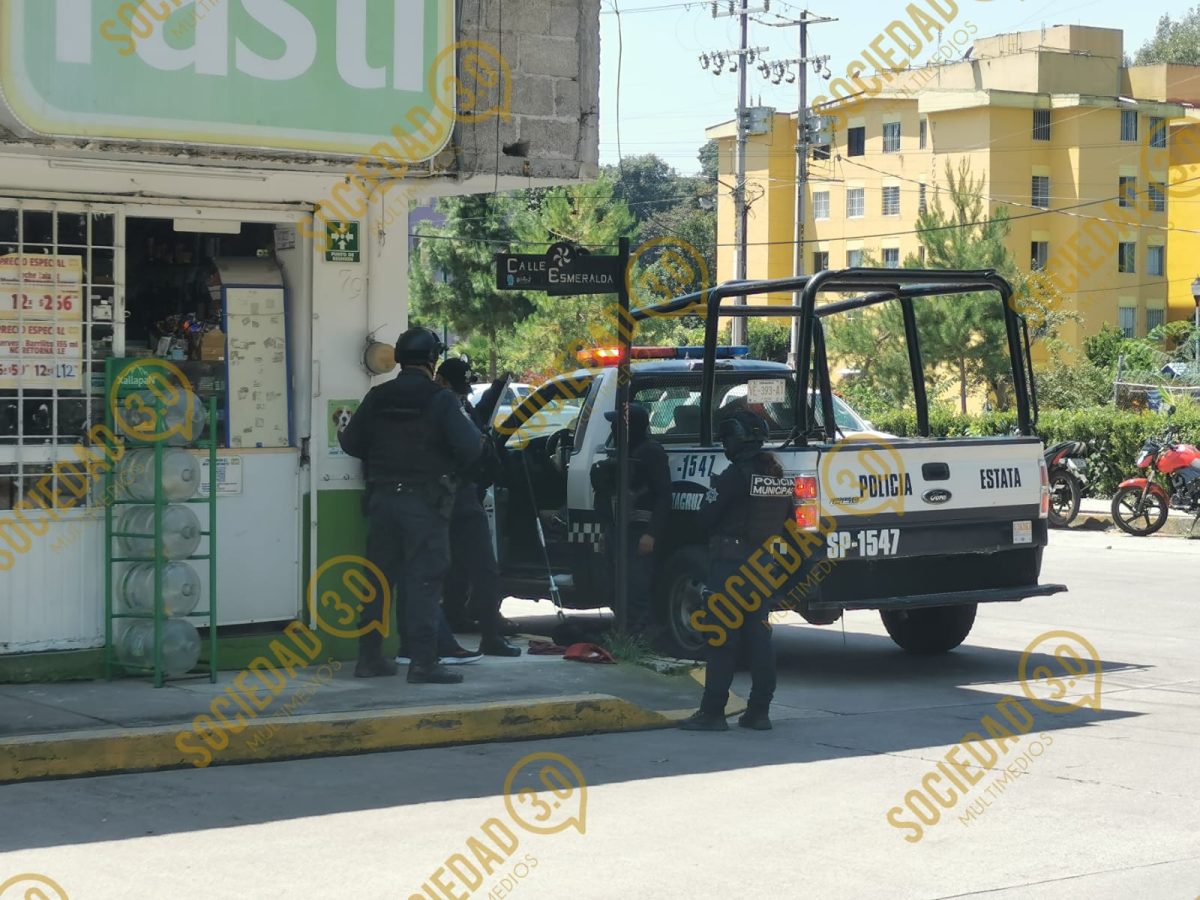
x=116, y=372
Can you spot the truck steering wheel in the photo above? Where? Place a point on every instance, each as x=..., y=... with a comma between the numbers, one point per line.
x=558, y=449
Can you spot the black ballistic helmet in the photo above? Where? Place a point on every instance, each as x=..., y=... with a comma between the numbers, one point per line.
x=419, y=346
x=741, y=432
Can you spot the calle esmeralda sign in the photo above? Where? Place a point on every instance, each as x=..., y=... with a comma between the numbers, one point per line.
x=564, y=269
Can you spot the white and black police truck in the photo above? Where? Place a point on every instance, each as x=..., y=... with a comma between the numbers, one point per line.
x=922, y=529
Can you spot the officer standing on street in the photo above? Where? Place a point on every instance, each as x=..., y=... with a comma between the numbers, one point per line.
x=747, y=504
x=470, y=535
x=414, y=440
x=649, y=508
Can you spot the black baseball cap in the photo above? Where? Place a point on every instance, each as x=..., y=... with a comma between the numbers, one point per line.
x=457, y=374
x=638, y=415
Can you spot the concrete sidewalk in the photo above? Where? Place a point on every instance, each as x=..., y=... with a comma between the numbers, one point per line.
x=1095, y=514
x=99, y=727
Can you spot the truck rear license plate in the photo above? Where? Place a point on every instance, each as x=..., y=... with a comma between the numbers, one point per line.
x=1023, y=532
x=866, y=542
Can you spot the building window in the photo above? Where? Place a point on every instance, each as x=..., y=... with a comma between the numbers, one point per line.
x=1127, y=191
x=821, y=151
x=856, y=203
x=1158, y=132
x=891, y=201
x=1156, y=260
x=1041, y=191
x=1154, y=318
x=891, y=257
x=1129, y=125
x=1039, y=253
x=1127, y=257
x=921, y=254
x=924, y=139
x=856, y=141
x=820, y=261
x=820, y=204
x=1127, y=320
x=891, y=137
x=854, y=258
x=1157, y=196
x=1041, y=124
x=921, y=204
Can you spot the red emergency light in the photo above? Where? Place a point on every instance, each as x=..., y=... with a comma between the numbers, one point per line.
x=603, y=357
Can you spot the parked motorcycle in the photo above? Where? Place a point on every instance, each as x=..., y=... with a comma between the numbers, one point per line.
x=1140, y=505
x=1066, y=465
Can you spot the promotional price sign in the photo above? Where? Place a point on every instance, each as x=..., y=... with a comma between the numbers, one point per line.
x=41, y=311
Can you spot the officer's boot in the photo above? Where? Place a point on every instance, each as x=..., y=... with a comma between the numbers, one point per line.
x=372, y=666
x=704, y=721
x=755, y=717
x=431, y=673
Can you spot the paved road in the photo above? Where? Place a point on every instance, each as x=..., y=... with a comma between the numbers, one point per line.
x=1088, y=803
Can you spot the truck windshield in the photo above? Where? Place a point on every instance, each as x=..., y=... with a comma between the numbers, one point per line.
x=675, y=408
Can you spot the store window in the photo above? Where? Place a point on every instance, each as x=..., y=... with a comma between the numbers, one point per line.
x=60, y=290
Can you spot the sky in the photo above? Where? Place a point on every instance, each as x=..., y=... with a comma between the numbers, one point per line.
x=656, y=98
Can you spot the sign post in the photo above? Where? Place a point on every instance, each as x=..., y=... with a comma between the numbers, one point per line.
x=565, y=270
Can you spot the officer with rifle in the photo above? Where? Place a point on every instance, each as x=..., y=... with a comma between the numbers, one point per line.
x=415, y=441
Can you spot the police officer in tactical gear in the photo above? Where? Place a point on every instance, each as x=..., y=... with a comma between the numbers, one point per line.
x=649, y=509
x=470, y=535
x=414, y=440
x=747, y=504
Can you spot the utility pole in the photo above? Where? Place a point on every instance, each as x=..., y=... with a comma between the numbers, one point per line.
x=743, y=55
x=776, y=71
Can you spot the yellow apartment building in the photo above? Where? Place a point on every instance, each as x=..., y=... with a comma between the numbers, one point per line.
x=1079, y=149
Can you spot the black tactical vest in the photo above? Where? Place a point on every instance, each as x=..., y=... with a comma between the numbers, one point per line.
x=768, y=502
x=405, y=445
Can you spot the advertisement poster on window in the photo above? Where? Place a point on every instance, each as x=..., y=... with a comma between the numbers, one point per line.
x=41, y=308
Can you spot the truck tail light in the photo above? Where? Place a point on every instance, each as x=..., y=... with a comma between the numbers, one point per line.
x=806, y=501
x=1044, y=509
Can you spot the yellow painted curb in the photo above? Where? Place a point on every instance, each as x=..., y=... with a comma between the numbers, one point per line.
x=111, y=750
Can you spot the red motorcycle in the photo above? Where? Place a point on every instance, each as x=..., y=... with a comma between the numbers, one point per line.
x=1140, y=505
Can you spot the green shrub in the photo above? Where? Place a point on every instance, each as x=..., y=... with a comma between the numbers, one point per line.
x=1117, y=433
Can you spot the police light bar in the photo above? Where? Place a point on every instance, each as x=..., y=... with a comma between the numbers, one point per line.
x=600, y=357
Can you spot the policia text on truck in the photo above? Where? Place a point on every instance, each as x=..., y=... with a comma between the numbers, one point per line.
x=921, y=529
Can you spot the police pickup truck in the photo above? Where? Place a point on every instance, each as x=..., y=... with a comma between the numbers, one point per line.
x=921, y=529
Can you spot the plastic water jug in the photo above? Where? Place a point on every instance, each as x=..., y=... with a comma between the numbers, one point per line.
x=180, y=531
x=180, y=588
x=180, y=474
x=180, y=645
x=178, y=423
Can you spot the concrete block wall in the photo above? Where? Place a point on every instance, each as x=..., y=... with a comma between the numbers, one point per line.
x=552, y=48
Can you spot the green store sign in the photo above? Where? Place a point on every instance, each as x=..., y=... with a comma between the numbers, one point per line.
x=302, y=75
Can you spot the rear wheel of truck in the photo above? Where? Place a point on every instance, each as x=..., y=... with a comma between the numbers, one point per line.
x=678, y=594
x=935, y=629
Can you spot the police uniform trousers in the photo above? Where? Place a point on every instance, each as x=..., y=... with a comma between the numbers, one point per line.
x=410, y=543
x=640, y=577
x=753, y=633
x=473, y=583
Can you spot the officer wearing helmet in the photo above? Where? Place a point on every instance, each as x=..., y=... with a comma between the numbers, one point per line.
x=414, y=440
x=745, y=506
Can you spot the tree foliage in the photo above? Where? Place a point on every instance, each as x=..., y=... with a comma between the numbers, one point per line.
x=1174, y=41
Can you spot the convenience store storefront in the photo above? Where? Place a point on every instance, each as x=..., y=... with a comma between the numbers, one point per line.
x=142, y=214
